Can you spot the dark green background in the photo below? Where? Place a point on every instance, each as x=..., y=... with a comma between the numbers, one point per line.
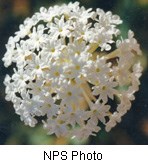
x=134, y=126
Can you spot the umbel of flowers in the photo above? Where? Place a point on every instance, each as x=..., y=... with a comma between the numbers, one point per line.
x=70, y=64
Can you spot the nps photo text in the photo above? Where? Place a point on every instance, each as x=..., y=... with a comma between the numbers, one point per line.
x=72, y=155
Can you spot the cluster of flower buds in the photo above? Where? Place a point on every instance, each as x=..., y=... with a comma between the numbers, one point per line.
x=70, y=65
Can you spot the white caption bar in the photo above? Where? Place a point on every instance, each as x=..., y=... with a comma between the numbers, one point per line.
x=75, y=154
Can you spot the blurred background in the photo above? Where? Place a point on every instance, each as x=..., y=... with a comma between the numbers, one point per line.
x=134, y=126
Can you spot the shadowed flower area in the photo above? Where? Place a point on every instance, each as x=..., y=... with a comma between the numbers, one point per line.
x=72, y=60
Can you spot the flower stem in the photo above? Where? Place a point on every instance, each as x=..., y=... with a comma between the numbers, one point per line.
x=87, y=93
x=112, y=55
x=93, y=47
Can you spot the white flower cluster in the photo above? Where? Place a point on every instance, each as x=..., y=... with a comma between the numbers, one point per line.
x=70, y=65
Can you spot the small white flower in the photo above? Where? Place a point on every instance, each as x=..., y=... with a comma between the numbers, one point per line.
x=114, y=118
x=82, y=31
x=59, y=27
x=8, y=57
x=69, y=71
x=97, y=70
x=99, y=111
x=52, y=49
x=37, y=37
x=105, y=89
x=20, y=79
x=24, y=30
